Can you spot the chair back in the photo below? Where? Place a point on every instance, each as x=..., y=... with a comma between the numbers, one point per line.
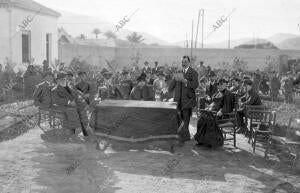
x=262, y=117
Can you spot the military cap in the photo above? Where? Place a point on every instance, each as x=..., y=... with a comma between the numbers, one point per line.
x=140, y=78
x=160, y=73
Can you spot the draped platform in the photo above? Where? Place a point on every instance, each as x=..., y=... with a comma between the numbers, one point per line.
x=135, y=121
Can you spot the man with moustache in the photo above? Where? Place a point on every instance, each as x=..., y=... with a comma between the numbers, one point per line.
x=184, y=85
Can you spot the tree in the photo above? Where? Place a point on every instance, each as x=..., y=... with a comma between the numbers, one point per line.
x=135, y=38
x=96, y=31
x=110, y=34
x=81, y=36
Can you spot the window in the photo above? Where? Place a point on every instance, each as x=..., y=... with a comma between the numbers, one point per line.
x=26, y=46
x=48, y=47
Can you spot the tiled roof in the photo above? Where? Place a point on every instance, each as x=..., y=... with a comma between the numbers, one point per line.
x=29, y=5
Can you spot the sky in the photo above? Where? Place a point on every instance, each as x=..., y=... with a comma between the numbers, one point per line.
x=171, y=20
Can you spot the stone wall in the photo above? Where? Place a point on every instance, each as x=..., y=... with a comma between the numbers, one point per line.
x=124, y=56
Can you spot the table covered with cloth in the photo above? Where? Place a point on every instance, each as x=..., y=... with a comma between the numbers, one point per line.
x=135, y=121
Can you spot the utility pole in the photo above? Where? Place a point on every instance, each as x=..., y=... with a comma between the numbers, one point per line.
x=229, y=34
x=196, y=39
x=202, y=27
x=192, y=38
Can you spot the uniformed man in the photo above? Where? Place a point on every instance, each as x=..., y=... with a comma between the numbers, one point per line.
x=42, y=92
x=64, y=101
x=83, y=86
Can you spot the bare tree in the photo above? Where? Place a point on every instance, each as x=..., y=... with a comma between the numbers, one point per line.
x=96, y=31
x=135, y=38
x=110, y=34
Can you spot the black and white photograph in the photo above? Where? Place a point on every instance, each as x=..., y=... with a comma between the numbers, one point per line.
x=149, y=96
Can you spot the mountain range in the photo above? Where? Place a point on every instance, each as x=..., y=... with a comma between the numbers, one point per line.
x=76, y=24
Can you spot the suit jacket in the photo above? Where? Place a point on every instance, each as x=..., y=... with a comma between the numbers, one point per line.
x=61, y=96
x=42, y=95
x=184, y=94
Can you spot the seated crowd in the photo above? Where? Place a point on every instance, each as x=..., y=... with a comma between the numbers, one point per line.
x=74, y=95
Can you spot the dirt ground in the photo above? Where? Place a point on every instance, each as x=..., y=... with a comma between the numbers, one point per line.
x=33, y=163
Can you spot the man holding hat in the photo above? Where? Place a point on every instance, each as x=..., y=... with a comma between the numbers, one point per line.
x=42, y=92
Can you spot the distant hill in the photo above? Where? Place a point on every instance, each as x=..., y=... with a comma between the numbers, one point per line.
x=280, y=37
x=290, y=44
x=76, y=24
x=263, y=45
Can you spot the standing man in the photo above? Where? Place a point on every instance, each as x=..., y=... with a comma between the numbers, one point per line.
x=155, y=70
x=287, y=85
x=146, y=69
x=184, y=85
x=42, y=93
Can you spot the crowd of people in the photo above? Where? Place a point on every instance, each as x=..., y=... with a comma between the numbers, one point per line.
x=76, y=92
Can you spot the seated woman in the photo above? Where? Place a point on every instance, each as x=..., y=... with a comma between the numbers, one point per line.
x=207, y=131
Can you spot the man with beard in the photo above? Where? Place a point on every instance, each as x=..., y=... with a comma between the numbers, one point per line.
x=64, y=101
x=222, y=102
x=184, y=85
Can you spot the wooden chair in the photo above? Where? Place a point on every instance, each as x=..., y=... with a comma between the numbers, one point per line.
x=228, y=123
x=290, y=141
x=248, y=121
x=261, y=124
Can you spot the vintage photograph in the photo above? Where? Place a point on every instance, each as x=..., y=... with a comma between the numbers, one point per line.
x=149, y=96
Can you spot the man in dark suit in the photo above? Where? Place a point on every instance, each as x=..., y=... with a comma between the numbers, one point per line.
x=184, y=85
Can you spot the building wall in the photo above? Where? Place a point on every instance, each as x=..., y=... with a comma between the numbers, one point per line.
x=39, y=27
x=4, y=34
x=124, y=56
x=95, y=55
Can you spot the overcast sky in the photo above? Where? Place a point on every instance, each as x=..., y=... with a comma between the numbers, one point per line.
x=171, y=20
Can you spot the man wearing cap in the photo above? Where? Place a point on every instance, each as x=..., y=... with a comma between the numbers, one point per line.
x=251, y=98
x=159, y=86
x=65, y=101
x=42, y=92
x=184, y=85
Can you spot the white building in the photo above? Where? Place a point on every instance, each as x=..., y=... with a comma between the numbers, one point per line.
x=28, y=30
